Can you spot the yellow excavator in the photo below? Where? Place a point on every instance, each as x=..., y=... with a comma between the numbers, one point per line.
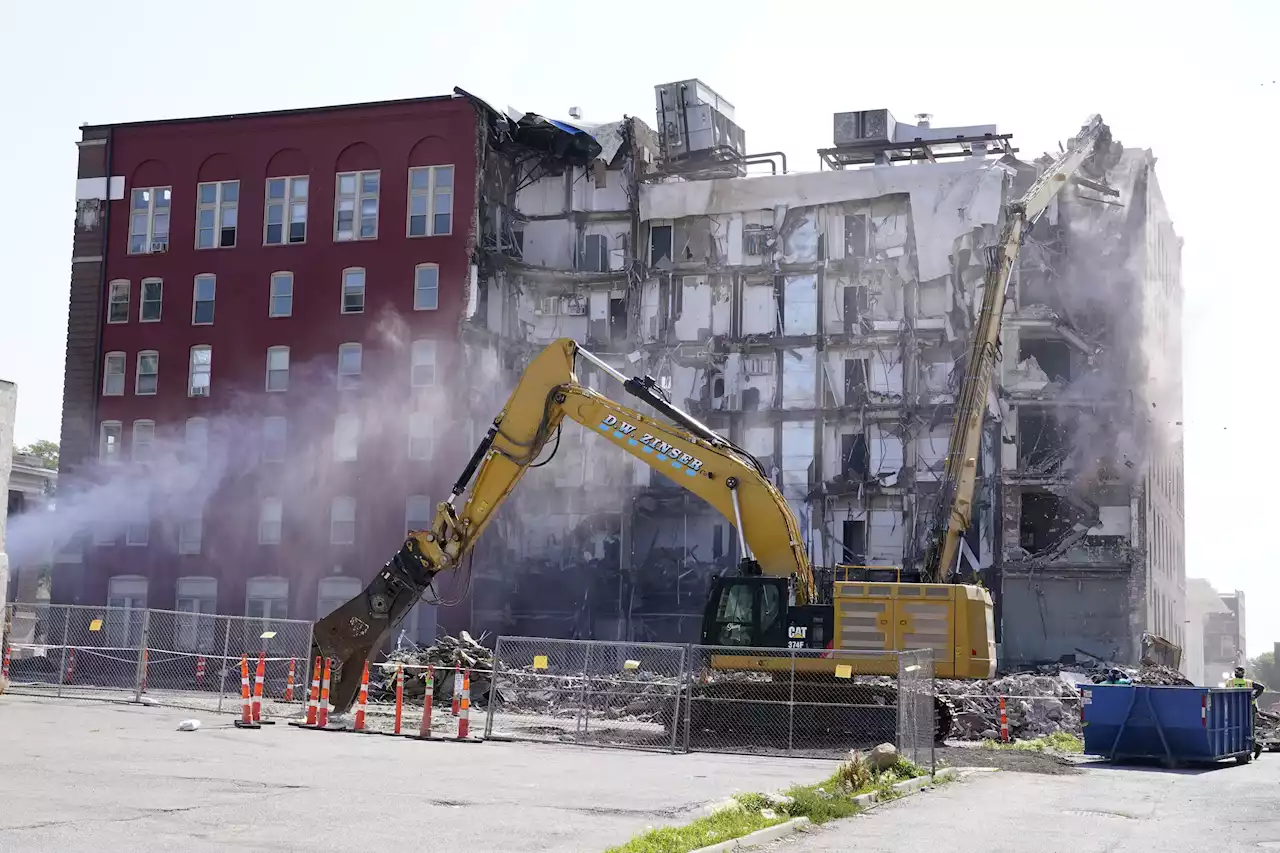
x=773, y=601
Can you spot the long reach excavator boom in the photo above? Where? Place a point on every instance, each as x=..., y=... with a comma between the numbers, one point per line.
x=960, y=472
x=706, y=464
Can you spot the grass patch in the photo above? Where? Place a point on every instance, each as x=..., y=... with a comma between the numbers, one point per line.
x=1056, y=742
x=827, y=800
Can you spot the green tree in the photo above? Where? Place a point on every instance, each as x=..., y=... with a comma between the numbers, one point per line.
x=1263, y=668
x=45, y=451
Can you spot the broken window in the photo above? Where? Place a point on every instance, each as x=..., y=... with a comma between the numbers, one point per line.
x=853, y=541
x=1043, y=441
x=856, y=233
x=659, y=244
x=1053, y=356
x=595, y=253
x=1045, y=520
x=855, y=380
x=855, y=457
x=857, y=310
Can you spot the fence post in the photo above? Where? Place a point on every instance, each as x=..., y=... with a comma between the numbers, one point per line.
x=62, y=666
x=493, y=691
x=583, y=715
x=140, y=670
x=931, y=714
x=690, y=675
x=675, y=711
x=791, y=707
x=222, y=670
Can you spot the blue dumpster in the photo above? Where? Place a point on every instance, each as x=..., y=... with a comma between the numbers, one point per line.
x=1175, y=725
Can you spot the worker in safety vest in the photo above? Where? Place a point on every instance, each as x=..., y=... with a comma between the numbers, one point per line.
x=1258, y=688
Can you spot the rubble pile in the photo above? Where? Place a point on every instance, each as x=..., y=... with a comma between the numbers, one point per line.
x=1035, y=705
x=625, y=693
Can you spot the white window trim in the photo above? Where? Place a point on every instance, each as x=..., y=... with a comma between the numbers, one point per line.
x=279, y=275
x=218, y=206
x=107, y=359
x=119, y=284
x=286, y=214
x=153, y=246
x=148, y=428
x=346, y=430
x=416, y=272
x=358, y=203
x=138, y=374
x=285, y=370
x=140, y=516
x=278, y=521
x=284, y=450
x=349, y=380
x=430, y=193
x=195, y=292
x=102, y=442
x=186, y=436
x=142, y=300
x=343, y=501
x=428, y=436
x=189, y=544
x=342, y=294
x=191, y=371
x=408, y=515
x=413, y=363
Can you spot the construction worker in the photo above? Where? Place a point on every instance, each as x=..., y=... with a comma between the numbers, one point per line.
x=1258, y=688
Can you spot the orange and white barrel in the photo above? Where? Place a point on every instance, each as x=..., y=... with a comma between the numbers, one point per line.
x=288, y=685
x=200, y=671
x=322, y=715
x=1004, y=722
x=464, y=709
x=258, y=677
x=362, y=701
x=424, y=728
x=313, y=703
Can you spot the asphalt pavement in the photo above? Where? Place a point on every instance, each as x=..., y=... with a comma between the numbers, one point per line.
x=95, y=777
x=1099, y=810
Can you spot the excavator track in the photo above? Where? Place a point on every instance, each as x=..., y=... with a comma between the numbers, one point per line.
x=806, y=715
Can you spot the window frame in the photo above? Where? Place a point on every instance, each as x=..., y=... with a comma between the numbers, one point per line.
x=272, y=296
x=430, y=193
x=138, y=374
x=343, y=501
x=219, y=207
x=196, y=301
x=268, y=441
x=277, y=350
x=105, y=458
x=152, y=245
x=113, y=288
x=345, y=379
x=417, y=287
x=278, y=504
x=107, y=360
x=409, y=503
x=142, y=300
x=148, y=427
x=184, y=542
x=357, y=210
x=363, y=288
x=429, y=437
x=414, y=365
x=186, y=437
x=346, y=430
x=139, y=520
x=191, y=370
x=286, y=204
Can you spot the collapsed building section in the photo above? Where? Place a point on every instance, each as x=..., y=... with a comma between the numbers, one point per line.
x=821, y=321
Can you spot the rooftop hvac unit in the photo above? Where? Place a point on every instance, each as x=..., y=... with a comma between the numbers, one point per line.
x=864, y=126
x=692, y=118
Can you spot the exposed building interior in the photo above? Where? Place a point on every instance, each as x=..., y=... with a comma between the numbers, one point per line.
x=821, y=320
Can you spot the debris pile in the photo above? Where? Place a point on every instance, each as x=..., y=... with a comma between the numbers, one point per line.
x=1035, y=705
x=625, y=691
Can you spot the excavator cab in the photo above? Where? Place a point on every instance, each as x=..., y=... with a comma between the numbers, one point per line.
x=759, y=612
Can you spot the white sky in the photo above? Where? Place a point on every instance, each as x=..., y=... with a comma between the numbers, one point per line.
x=1195, y=82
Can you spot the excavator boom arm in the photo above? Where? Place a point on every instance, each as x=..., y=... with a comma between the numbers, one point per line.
x=960, y=471
x=689, y=453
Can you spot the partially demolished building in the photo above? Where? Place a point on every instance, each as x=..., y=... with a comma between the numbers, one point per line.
x=821, y=321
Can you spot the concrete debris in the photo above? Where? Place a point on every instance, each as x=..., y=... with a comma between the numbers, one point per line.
x=883, y=756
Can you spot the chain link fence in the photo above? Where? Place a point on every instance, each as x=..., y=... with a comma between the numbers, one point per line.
x=163, y=657
x=588, y=692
